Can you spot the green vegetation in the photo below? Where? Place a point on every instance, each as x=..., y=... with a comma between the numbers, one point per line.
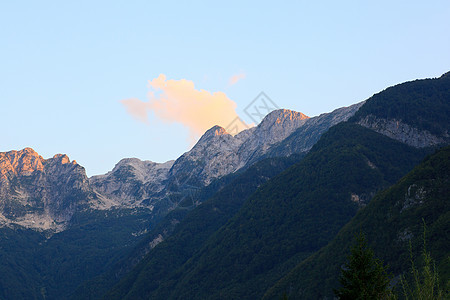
x=423, y=285
x=187, y=237
x=19, y=278
x=34, y=266
x=94, y=288
x=424, y=104
x=363, y=277
x=390, y=221
x=282, y=223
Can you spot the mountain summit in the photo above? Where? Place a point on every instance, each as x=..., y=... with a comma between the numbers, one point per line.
x=214, y=131
x=40, y=193
x=284, y=115
x=22, y=163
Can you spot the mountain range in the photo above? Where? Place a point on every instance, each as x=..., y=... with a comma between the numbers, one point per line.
x=241, y=216
x=28, y=180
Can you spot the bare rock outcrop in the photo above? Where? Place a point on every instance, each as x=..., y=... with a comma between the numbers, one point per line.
x=41, y=193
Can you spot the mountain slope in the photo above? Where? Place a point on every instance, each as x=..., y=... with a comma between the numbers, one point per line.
x=287, y=219
x=416, y=112
x=19, y=277
x=132, y=181
x=56, y=230
x=41, y=193
x=190, y=231
x=390, y=222
x=39, y=265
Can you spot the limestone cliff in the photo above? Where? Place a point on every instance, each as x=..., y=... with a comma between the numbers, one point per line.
x=41, y=193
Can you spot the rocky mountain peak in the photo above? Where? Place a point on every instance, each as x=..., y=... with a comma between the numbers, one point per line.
x=23, y=163
x=214, y=131
x=40, y=193
x=217, y=130
x=218, y=153
x=280, y=123
x=62, y=159
x=136, y=169
x=131, y=181
x=276, y=126
x=281, y=115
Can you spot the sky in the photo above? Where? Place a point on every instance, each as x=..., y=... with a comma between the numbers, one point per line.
x=105, y=80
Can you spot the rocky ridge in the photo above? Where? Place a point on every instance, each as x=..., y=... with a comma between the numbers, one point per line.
x=41, y=193
x=305, y=136
x=218, y=153
x=132, y=181
x=44, y=193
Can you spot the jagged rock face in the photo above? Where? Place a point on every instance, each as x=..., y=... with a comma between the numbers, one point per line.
x=218, y=153
x=22, y=163
x=275, y=127
x=41, y=193
x=213, y=156
x=132, y=181
x=304, y=137
x=400, y=131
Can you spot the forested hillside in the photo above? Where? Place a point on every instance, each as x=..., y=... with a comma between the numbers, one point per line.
x=191, y=229
x=283, y=222
x=35, y=266
x=392, y=220
x=423, y=104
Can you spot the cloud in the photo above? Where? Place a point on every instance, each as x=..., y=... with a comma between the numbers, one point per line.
x=137, y=109
x=177, y=101
x=235, y=78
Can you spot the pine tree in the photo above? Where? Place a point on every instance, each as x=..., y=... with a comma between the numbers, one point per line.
x=363, y=276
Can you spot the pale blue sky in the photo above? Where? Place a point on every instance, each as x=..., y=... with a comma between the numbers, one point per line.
x=64, y=67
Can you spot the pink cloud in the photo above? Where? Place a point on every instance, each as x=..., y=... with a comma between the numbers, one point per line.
x=178, y=101
x=235, y=78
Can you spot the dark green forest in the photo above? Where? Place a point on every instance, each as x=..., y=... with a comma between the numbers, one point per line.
x=423, y=104
x=392, y=220
x=282, y=223
x=193, y=229
x=36, y=266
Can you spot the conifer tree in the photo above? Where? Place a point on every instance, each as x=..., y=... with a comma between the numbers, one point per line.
x=363, y=276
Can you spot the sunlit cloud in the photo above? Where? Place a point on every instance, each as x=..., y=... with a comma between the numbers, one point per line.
x=235, y=78
x=177, y=101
